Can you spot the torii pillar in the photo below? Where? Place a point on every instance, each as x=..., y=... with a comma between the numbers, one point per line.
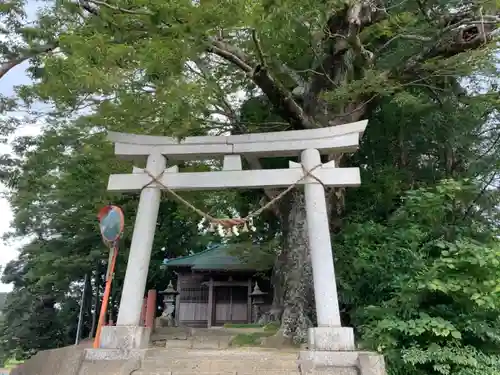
x=308, y=144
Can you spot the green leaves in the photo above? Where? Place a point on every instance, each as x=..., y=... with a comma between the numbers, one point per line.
x=438, y=313
x=423, y=325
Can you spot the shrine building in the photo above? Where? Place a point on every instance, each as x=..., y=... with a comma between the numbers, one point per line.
x=215, y=288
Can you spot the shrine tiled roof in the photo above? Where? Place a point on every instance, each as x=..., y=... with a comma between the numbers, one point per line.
x=217, y=258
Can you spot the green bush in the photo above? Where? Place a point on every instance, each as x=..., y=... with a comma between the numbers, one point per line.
x=427, y=284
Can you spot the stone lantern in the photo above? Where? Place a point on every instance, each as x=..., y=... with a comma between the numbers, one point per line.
x=257, y=300
x=170, y=294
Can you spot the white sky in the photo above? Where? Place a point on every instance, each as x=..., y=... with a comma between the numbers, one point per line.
x=8, y=251
x=17, y=76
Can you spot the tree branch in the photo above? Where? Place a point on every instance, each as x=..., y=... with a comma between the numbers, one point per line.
x=342, y=34
x=296, y=78
x=85, y=5
x=460, y=33
x=221, y=50
x=418, y=38
x=283, y=100
x=424, y=13
x=118, y=9
x=258, y=47
x=26, y=55
x=279, y=96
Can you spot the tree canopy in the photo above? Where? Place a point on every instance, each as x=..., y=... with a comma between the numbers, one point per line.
x=415, y=247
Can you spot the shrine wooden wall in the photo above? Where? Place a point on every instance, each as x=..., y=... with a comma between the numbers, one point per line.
x=230, y=303
x=193, y=305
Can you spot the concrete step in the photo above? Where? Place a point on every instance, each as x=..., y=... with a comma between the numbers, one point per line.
x=230, y=360
x=334, y=371
x=183, y=332
x=242, y=353
x=107, y=367
x=220, y=365
x=216, y=331
x=219, y=342
x=330, y=371
x=165, y=372
x=172, y=333
x=243, y=361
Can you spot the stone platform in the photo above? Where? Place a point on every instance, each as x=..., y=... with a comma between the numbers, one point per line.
x=186, y=351
x=182, y=361
x=242, y=361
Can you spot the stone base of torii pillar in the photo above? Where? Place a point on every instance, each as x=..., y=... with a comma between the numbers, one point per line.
x=125, y=338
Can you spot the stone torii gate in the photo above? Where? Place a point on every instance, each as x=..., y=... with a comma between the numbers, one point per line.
x=309, y=144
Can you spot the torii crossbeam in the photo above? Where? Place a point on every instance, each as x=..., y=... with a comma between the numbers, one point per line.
x=308, y=144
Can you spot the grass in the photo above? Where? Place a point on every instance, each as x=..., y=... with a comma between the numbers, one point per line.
x=249, y=325
x=249, y=339
x=267, y=327
x=271, y=327
x=254, y=338
x=11, y=363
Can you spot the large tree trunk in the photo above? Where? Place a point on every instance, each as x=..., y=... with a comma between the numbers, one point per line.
x=294, y=272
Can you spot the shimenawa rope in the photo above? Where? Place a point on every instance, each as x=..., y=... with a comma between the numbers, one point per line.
x=229, y=224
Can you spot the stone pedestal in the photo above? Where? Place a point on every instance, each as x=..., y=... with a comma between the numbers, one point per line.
x=341, y=362
x=331, y=338
x=332, y=351
x=125, y=338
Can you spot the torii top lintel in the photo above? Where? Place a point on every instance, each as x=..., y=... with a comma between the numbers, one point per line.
x=335, y=139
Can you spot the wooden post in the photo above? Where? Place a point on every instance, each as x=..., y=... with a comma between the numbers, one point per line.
x=210, y=302
x=249, y=301
x=178, y=306
x=231, y=289
x=151, y=308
